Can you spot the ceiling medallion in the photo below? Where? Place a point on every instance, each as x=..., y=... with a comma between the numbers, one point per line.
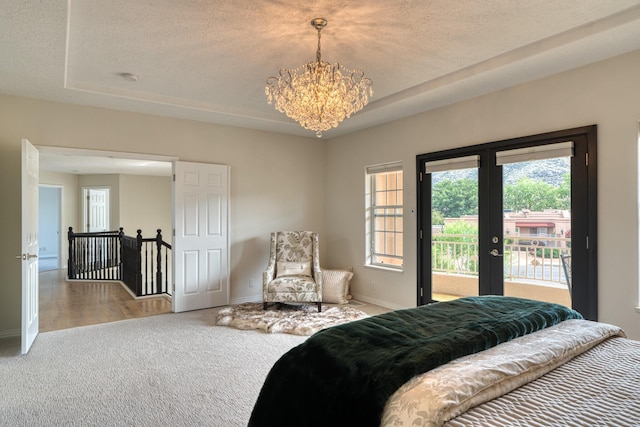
x=319, y=95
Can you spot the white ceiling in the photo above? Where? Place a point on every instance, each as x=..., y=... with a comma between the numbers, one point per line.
x=93, y=162
x=208, y=60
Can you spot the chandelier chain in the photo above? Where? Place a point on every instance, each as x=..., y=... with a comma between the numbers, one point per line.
x=318, y=55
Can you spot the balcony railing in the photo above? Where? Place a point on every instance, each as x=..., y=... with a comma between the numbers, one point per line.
x=532, y=259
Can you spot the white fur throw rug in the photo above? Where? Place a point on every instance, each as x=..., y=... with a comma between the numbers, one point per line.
x=301, y=319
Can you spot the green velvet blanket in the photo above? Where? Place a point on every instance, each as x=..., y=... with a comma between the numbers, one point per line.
x=342, y=376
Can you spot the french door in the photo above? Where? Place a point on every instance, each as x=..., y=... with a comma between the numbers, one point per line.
x=514, y=217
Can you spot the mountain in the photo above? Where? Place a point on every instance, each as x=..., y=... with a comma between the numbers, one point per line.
x=550, y=171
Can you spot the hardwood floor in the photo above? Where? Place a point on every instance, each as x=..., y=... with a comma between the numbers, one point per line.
x=69, y=304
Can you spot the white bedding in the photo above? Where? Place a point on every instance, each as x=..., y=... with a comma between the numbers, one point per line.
x=433, y=398
x=600, y=387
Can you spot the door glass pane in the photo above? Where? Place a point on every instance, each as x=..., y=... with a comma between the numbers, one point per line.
x=454, y=225
x=537, y=229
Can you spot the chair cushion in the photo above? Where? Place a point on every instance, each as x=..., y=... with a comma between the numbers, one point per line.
x=335, y=286
x=292, y=284
x=293, y=269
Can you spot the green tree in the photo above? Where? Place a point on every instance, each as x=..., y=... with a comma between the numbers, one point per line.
x=456, y=248
x=455, y=198
x=436, y=217
x=467, y=231
x=564, y=192
x=531, y=194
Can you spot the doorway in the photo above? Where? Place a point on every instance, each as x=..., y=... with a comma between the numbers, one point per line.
x=64, y=304
x=49, y=223
x=96, y=209
x=497, y=219
x=210, y=208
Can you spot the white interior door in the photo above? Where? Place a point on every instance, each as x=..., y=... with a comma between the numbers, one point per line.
x=97, y=209
x=29, y=256
x=201, y=236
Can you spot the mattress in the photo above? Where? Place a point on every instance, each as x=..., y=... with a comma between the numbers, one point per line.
x=598, y=388
x=575, y=373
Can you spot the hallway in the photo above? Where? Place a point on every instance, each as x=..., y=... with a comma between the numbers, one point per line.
x=70, y=304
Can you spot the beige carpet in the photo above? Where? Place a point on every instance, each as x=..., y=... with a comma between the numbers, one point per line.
x=167, y=370
x=302, y=319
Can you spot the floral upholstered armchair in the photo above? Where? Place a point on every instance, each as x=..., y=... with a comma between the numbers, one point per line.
x=293, y=273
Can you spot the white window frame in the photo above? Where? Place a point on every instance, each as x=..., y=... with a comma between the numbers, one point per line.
x=372, y=254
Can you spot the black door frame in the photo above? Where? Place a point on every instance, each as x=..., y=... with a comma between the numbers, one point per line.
x=583, y=219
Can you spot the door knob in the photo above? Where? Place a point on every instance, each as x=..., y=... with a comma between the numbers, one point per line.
x=495, y=252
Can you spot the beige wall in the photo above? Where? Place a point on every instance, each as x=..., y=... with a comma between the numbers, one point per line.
x=145, y=203
x=266, y=192
x=10, y=288
x=606, y=94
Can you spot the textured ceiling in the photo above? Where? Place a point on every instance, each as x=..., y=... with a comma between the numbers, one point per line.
x=208, y=60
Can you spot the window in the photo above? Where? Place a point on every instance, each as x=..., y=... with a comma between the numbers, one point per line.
x=384, y=212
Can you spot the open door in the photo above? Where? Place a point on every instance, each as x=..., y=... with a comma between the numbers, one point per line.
x=29, y=256
x=201, y=236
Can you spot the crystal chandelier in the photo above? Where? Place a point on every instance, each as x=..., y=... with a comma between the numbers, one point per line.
x=319, y=95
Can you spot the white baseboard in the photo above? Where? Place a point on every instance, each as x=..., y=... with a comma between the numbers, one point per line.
x=134, y=296
x=375, y=301
x=126, y=288
x=251, y=298
x=357, y=297
x=10, y=333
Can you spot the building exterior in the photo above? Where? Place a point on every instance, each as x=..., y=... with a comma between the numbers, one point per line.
x=539, y=228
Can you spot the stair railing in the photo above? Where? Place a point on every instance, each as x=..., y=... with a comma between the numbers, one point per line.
x=94, y=256
x=142, y=264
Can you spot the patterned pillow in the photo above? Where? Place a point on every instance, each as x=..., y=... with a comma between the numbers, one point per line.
x=293, y=269
x=335, y=285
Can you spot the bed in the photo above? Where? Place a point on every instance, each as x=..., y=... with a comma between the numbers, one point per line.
x=475, y=361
